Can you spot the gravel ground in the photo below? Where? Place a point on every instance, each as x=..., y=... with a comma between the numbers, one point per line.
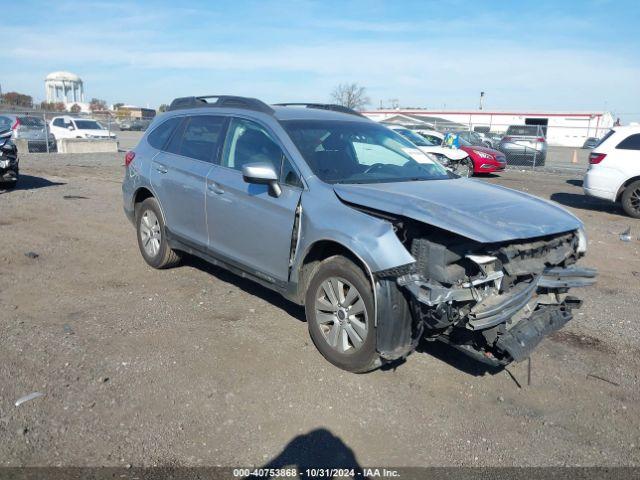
x=194, y=366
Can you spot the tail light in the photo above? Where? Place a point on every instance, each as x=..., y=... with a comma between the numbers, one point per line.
x=541, y=139
x=128, y=158
x=595, y=158
x=16, y=124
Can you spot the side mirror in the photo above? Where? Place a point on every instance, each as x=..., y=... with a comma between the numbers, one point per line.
x=70, y=127
x=263, y=174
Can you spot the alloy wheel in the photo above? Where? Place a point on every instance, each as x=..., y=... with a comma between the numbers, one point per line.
x=150, y=233
x=464, y=169
x=341, y=315
x=634, y=200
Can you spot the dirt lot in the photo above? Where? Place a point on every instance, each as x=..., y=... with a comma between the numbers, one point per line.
x=194, y=366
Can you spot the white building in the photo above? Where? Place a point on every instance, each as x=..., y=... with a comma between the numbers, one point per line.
x=568, y=129
x=66, y=88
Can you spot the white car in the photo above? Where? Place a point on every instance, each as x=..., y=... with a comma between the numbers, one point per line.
x=614, y=169
x=70, y=127
x=428, y=146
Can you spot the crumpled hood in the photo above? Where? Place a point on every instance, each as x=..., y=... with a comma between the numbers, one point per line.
x=451, y=153
x=474, y=209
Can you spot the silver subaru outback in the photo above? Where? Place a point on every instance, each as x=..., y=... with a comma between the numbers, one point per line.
x=381, y=244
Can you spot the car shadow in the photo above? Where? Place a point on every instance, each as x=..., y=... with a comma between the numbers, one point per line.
x=248, y=286
x=29, y=182
x=486, y=175
x=457, y=359
x=319, y=450
x=585, y=202
x=438, y=350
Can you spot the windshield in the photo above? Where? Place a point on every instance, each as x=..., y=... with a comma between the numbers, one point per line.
x=413, y=137
x=359, y=152
x=88, y=125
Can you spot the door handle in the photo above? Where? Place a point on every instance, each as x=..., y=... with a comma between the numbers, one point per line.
x=161, y=168
x=215, y=188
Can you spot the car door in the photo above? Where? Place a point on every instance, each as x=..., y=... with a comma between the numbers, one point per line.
x=179, y=176
x=58, y=128
x=248, y=224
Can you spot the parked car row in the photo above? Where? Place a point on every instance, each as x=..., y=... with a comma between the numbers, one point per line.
x=38, y=134
x=30, y=128
x=467, y=160
x=134, y=125
x=522, y=145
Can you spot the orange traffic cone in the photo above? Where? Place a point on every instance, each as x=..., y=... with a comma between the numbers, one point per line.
x=574, y=158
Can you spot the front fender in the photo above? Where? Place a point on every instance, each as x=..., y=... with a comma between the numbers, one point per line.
x=369, y=238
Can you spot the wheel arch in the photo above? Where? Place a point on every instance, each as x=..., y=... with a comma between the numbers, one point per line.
x=625, y=185
x=323, y=249
x=144, y=192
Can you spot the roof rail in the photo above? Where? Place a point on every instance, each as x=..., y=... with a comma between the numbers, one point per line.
x=223, y=101
x=322, y=106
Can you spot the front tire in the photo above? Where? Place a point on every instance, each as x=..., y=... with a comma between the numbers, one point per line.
x=152, y=238
x=631, y=200
x=465, y=168
x=339, y=306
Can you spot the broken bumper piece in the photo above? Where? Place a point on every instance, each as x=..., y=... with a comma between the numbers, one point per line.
x=499, y=327
x=568, y=277
x=522, y=338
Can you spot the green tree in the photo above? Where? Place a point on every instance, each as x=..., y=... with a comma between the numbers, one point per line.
x=163, y=108
x=75, y=108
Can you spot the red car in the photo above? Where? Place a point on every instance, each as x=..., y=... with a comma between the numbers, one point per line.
x=485, y=160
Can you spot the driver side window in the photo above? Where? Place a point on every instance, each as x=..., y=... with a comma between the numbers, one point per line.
x=247, y=142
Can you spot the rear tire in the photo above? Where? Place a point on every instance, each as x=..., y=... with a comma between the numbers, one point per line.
x=339, y=306
x=152, y=238
x=631, y=200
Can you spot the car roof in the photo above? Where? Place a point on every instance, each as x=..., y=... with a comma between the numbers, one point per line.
x=626, y=128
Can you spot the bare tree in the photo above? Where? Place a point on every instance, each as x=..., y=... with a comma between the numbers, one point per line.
x=350, y=95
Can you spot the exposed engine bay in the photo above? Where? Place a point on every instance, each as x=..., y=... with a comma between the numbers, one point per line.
x=494, y=302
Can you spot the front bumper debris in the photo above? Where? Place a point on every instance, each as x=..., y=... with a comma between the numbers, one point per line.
x=524, y=336
x=498, y=327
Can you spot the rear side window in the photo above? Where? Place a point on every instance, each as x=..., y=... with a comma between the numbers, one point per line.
x=59, y=122
x=31, y=122
x=5, y=123
x=158, y=138
x=524, y=130
x=199, y=138
x=632, y=142
x=605, y=138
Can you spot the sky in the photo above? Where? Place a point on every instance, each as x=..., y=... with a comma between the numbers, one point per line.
x=533, y=55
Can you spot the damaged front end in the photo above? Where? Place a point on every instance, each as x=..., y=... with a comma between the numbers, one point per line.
x=495, y=302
